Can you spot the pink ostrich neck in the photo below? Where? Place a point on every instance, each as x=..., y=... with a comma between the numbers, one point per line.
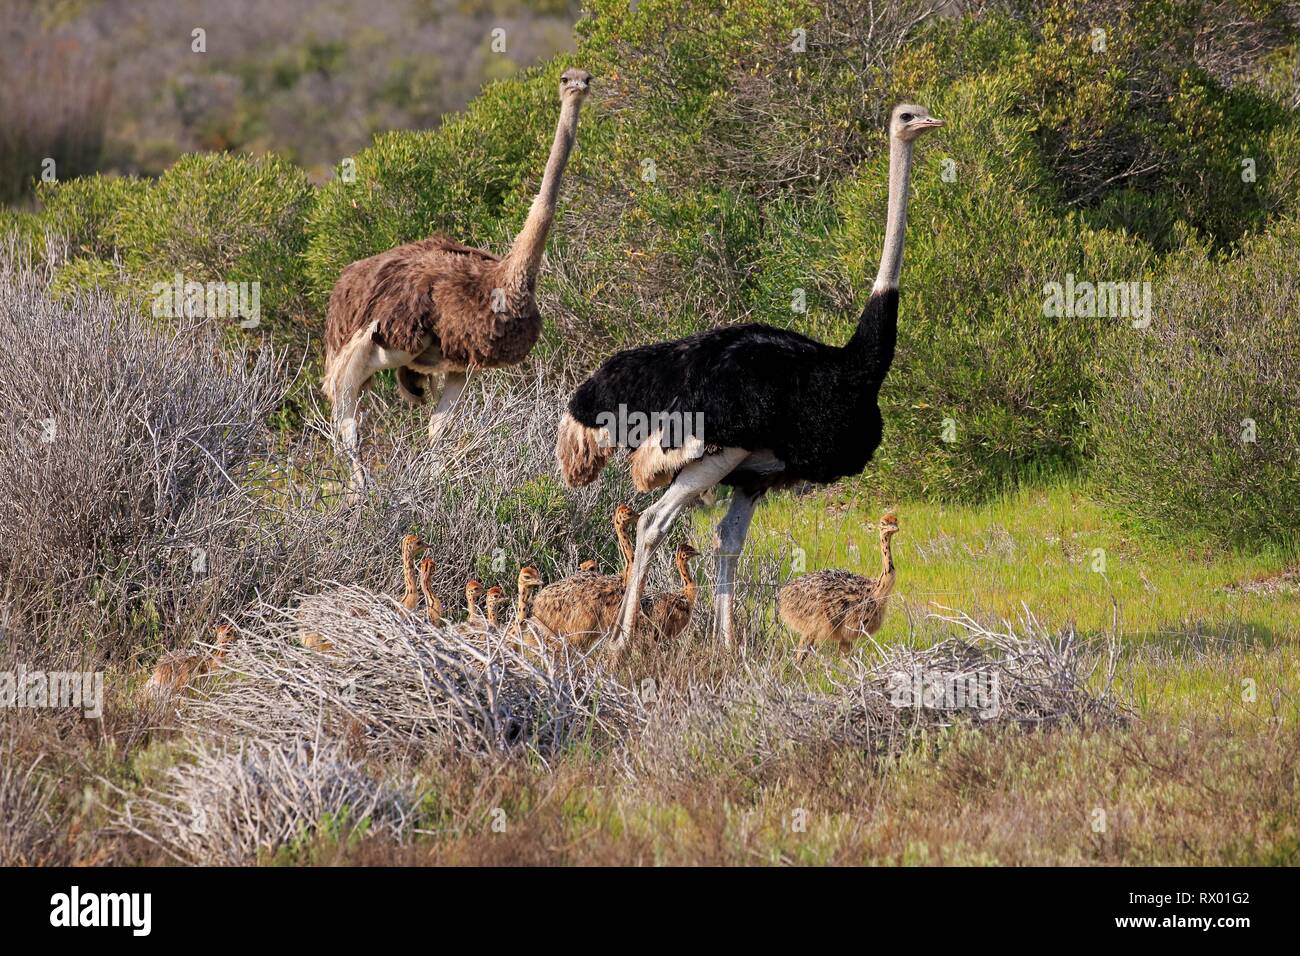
x=525, y=258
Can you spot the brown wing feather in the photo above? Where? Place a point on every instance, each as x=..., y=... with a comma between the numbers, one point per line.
x=407, y=289
x=581, y=608
x=821, y=604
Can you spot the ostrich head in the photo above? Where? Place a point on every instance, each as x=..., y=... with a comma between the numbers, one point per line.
x=529, y=578
x=494, y=594
x=908, y=121
x=473, y=588
x=575, y=84
x=412, y=545
x=225, y=634
x=685, y=552
x=888, y=526
x=625, y=517
x=588, y=565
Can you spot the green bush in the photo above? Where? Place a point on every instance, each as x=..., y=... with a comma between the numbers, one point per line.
x=217, y=217
x=87, y=212
x=1195, y=423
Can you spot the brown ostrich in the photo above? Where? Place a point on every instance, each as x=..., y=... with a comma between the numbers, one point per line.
x=438, y=307
x=583, y=607
x=521, y=629
x=664, y=616
x=588, y=565
x=836, y=605
x=177, y=669
x=432, y=603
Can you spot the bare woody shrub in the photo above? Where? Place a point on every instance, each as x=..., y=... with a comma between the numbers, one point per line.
x=488, y=500
x=120, y=463
x=389, y=681
x=752, y=719
x=232, y=808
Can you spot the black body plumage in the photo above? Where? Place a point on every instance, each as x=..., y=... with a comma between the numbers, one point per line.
x=759, y=387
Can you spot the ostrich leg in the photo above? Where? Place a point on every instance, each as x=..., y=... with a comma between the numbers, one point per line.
x=352, y=370
x=657, y=520
x=730, y=542
x=452, y=385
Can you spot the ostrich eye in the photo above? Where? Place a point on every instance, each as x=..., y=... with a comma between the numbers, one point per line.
x=906, y=117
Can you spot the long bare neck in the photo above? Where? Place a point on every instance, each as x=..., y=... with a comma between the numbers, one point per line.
x=885, y=583
x=525, y=608
x=873, y=343
x=525, y=257
x=412, y=596
x=688, y=583
x=492, y=612
x=624, y=546
x=900, y=177
x=471, y=606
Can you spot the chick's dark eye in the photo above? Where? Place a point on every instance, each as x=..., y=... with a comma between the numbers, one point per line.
x=906, y=117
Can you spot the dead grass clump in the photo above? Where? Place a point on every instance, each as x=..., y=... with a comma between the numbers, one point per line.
x=881, y=705
x=233, y=807
x=392, y=683
x=29, y=834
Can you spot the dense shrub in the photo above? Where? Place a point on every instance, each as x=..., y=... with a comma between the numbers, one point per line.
x=1195, y=419
x=224, y=218
x=87, y=212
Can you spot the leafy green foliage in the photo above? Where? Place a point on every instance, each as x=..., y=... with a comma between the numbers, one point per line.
x=1195, y=419
x=219, y=217
x=87, y=212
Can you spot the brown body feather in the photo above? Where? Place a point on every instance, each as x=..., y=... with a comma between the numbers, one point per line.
x=438, y=299
x=839, y=606
x=176, y=670
x=582, y=608
x=665, y=616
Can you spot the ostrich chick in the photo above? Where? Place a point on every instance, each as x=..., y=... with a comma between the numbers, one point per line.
x=583, y=607
x=838, y=606
x=530, y=579
x=492, y=600
x=666, y=615
x=473, y=589
x=177, y=669
x=432, y=604
x=412, y=547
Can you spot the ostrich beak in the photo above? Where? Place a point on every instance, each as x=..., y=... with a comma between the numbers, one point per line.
x=929, y=122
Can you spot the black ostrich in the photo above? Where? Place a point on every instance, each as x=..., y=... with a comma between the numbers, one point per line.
x=750, y=406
